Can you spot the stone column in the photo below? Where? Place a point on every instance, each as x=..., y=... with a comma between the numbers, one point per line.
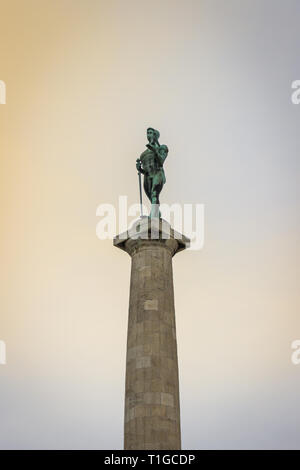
x=152, y=411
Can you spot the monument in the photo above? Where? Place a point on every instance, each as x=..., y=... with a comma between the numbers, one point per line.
x=152, y=408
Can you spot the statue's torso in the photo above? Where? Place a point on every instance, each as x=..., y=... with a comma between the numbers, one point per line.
x=150, y=162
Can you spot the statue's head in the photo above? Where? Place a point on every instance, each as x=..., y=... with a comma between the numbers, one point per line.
x=152, y=135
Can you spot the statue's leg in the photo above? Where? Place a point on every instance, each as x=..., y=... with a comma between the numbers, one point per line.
x=157, y=186
x=148, y=187
x=155, y=192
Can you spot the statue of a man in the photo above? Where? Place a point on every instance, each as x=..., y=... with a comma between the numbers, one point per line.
x=150, y=164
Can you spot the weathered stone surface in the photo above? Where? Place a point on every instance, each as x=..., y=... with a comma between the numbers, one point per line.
x=152, y=411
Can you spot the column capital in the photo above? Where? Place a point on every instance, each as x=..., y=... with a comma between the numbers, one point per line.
x=148, y=232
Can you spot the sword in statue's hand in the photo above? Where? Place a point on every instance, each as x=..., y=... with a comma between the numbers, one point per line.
x=138, y=167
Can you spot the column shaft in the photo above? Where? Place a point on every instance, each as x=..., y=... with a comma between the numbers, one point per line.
x=152, y=413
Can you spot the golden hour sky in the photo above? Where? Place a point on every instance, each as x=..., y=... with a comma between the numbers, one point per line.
x=84, y=80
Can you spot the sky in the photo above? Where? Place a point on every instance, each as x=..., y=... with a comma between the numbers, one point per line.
x=84, y=79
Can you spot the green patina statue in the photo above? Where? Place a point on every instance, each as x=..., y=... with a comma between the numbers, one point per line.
x=150, y=164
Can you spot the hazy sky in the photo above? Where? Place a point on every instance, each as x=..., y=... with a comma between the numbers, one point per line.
x=84, y=79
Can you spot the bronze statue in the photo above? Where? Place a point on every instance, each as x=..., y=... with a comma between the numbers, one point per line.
x=150, y=164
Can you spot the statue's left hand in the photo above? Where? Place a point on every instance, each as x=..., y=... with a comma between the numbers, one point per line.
x=138, y=165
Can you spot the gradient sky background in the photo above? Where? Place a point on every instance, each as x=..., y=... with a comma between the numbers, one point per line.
x=84, y=79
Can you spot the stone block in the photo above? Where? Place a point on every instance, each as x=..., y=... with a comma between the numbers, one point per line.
x=167, y=399
x=143, y=361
